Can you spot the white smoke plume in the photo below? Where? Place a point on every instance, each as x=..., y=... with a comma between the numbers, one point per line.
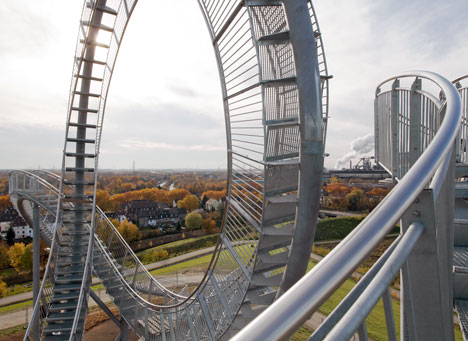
x=359, y=146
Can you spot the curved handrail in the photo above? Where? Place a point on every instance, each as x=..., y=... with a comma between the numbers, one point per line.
x=296, y=305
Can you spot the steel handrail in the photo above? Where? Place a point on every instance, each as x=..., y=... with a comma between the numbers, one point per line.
x=288, y=313
x=345, y=328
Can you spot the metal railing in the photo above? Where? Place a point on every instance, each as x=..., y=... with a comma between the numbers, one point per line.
x=290, y=311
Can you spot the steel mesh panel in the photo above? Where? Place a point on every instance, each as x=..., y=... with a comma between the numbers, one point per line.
x=282, y=143
x=281, y=178
x=281, y=102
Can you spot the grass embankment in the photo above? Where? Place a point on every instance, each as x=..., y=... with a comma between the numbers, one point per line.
x=177, y=248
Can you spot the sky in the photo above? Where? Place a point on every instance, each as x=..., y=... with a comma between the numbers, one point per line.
x=164, y=108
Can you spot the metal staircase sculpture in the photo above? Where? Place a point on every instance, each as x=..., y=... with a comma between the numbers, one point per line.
x=275, y=92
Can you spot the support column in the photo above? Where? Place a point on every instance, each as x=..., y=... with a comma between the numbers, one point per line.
x=423, y=307
x=123, y=330
x=394, y=129
x=415, y=122
x=304, y=49
x=36, y=267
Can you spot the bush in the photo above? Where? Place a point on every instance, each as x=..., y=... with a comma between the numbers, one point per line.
x=193, y=221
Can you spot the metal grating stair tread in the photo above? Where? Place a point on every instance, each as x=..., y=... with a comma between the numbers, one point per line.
x=98, y=26
x=461, y=306
x=104, y=9
x=460, y=259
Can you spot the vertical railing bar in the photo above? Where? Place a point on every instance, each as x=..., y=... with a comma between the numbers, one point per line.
x=389, y=319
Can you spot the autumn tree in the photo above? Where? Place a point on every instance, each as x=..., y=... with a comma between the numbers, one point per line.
x=15, y=254
x=26, y=261
x=355, y=200
x=104, y=202
x=4, y=202
x=129, y=231
x=4, y=258
x=3, y=289
x=190, y=203
x=193, y=221
x=209, y=226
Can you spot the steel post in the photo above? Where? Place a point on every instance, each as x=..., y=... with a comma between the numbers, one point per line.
x=415, y=121
x=36, y=267
x=421, y=280
x=394, y=129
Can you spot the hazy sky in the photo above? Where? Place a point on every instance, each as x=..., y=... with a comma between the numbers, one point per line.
x=164, y=107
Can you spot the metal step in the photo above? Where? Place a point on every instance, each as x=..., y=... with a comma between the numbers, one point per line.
x=74, y=169
x=82, y=125
x=461, y=307
x=77, y=197
x=283, y=123
x=58, y=307
x=87, y=60
x=98, y=26
x=275, y=38
x=88, y=94
x=58, y=328
x=461, y=170
x=263, y=299
x=104, y=9
x=94, y=111
x=460, y=232
x=61, y=288
x=274, y=242
x=279, y=82
x=94, y=43
x=279, y=207
x=68, y=296
x=285, y=229
x=55, y=317
x=461, y=190
x=261, y=280
x=97, y=79
x=281, y=177
x=64, y=279
x=79, y=183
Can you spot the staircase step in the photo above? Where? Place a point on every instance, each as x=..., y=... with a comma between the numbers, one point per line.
x=262, y=299
x=82, y=125
x=460, y=232
x=87, y=60
x=64, y=279
x=261, y=280
x=78, y=197
x=275, y=38
x=68, y=296
x=285, y=229
x=89, y=94
x=74, y=169
x=279, y=82
x=61, y=288
x=461, y=190
x=279, y=207
x=97, y=79
x=283, y=123
x=461, y=170
x=59, y=306
x=94, y=111
x=98, y=26
x=94, y=43
x=461, y=306
x=104, y=9
x=274, y=242
x=79, y=183
x=61, y=316
x=58, y=328
x=281, y=176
